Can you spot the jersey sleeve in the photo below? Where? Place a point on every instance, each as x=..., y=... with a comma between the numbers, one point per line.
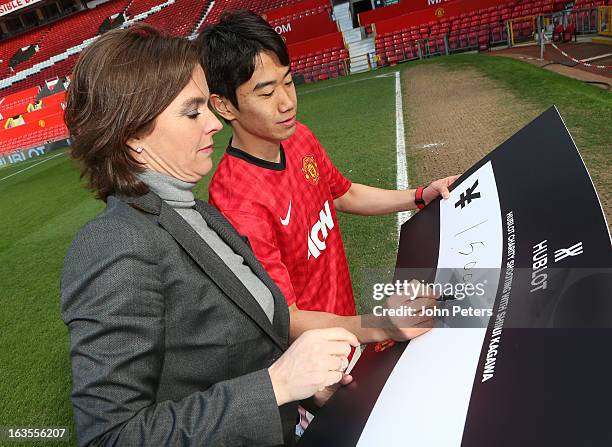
x=338, y=183
x=260, y=232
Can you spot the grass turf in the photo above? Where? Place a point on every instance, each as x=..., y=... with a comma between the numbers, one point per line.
x=42, y=208
x=44, y=205
x=586, y=109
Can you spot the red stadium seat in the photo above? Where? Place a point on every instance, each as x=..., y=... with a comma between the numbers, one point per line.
x=569, y=32
x=483, y=43
x=557, y=33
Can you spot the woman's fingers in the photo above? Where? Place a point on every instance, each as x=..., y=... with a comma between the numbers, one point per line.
x=332, y=378
x=336, y=363
x=337, y=348
x=339, y=334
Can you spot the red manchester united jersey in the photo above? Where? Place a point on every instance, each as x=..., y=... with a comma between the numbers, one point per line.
x=286, y=210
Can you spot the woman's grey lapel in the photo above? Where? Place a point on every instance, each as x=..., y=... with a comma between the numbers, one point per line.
x=228, y=233
x=208, y=261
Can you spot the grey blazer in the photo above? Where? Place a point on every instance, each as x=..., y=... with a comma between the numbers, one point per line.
x=168, y=348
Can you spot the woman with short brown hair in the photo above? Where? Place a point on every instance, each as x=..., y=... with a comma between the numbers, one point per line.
x=102, y=112
x=178, y=336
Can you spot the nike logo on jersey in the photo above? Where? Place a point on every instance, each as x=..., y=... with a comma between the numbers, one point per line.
x=325, y=224
x=285, y=221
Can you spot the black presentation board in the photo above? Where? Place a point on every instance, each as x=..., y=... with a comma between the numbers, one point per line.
x=539, y=371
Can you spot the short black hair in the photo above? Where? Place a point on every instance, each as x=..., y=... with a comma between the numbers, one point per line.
x=229, y=50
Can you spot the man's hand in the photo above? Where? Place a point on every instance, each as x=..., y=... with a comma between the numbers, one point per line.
x=402, y=328
x=439, y=188
x=321, y=397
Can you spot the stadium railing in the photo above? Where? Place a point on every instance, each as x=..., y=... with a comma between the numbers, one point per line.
x=421, y=41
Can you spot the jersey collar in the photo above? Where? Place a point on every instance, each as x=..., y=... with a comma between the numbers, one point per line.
x=280, y=166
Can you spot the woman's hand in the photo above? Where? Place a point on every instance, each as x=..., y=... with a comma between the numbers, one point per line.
x=313, y=362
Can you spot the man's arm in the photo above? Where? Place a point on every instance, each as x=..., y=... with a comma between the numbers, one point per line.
x=369, y=201
x=264, y=245
x=366, y=200
x=304, y=320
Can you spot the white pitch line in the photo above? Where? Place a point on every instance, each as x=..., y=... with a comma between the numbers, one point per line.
x=400, y=144
x=30, y=167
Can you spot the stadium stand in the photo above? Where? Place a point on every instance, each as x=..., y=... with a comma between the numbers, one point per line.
x=275, y=19
x=321, y=57
x=316, y=47
x=53, y=101
x=33, y=134
x=318, y=50
x=585, y=15
x=27, y=122
x=402, y=39
x=74, y=30
x=136, y=7
x=258, y=7
x=49, y=45
x=59, y=69
x=178, y=18
x=321, y=65
x=9, y=48
x=17, y=99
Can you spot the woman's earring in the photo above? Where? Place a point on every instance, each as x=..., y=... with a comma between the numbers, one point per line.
x=139, y=149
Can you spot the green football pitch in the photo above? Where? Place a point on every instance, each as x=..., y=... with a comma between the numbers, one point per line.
x=43, y=204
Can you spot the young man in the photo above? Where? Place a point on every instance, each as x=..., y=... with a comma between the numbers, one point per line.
x=277, y=185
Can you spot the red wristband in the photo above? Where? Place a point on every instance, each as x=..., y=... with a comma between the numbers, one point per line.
x=418, y=198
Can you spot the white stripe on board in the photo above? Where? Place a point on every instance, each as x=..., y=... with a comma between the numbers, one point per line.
x=426, y=398
x=400, y=144
x=30, y=167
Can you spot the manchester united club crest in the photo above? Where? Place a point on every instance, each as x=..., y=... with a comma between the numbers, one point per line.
x=310, y=169
x=439, y=12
